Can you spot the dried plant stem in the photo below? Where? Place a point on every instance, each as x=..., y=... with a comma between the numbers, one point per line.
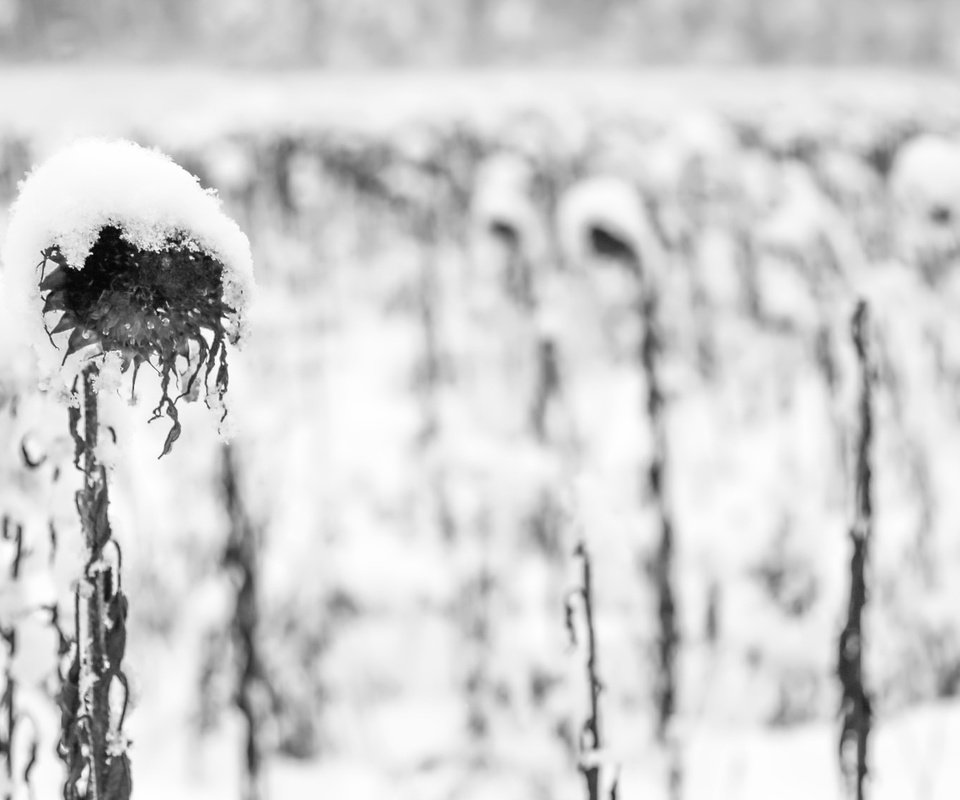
x=9, y=713
x=92, y=747
x=855, y=704
x=591, y=740
x=93, y=662
x=663, y=563
x=241, y=555
x=8, y=699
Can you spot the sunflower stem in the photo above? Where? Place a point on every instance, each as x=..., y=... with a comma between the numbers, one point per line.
x=242, y=554
x=87, y=725
x=855, y=708
x=95, y=700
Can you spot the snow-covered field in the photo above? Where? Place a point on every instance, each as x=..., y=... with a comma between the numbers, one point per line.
x=417, y=509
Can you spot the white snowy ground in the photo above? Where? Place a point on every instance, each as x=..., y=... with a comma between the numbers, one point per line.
x=329, y=417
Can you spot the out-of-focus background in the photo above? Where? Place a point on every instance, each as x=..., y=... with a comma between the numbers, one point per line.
x=521, y=32
x=444, y=392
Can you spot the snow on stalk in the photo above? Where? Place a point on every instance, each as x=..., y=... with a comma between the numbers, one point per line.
x=115, y=258
x=855, y=709
x=605, y=217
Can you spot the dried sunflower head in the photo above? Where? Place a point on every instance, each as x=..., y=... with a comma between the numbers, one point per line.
x=137, y=264
x=154, y=307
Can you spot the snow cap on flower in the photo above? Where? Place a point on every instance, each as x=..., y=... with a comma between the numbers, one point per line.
x=606, y=216
x=504, y=200
x=133, y=206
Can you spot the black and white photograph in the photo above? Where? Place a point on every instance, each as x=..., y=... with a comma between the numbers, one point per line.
x=479, y=400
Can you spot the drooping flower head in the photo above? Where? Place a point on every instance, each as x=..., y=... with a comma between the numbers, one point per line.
x=115, y=252
x=506, y=218
x=925, y=187
x=605, y=216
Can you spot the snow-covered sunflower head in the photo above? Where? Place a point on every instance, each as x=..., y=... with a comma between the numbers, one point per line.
x=604, y=218
x=925, y=188
x=115, y=252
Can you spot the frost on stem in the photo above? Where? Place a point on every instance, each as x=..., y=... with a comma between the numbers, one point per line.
x=92, y=743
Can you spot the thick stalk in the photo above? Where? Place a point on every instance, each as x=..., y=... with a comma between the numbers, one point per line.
x=92, y=504
x=93, y=749
x=855, y=704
